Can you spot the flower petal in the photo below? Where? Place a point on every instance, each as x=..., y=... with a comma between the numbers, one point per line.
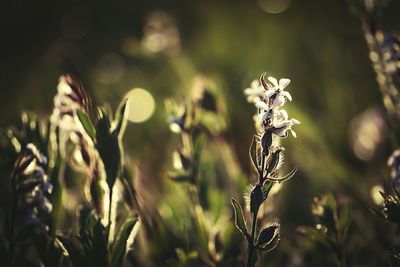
x=279, y=100
x=262, y=105
x=255, y=84
x=293, y=133
x=295, y=122
x=281, y=132
x=282, y=114
x=273, y=80
x=262, y=116
x=269, y=93
x=287, y=95
x=283, y=83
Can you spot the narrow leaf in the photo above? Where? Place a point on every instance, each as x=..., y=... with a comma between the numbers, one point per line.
x=239, y=218
x=119, y=248
x=74, y=249
x=120, y=118
x=87, y=124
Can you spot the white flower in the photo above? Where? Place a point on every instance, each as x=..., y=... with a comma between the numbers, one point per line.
x=277, y=92
x=264, y=110
x=255, y=92
x=281, y=123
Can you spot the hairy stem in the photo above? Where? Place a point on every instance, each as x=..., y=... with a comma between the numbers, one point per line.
x=251, y=256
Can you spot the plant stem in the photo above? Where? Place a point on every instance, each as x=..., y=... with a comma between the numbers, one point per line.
x=14, y=205
x=199, y=212
x=109, y=214
x=251, y=257
x=251, y=260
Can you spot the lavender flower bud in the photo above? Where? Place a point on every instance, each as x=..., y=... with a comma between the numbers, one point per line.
x=31, y=188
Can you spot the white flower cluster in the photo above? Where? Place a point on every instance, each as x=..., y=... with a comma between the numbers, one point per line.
x=269, y=96
x=70, y=98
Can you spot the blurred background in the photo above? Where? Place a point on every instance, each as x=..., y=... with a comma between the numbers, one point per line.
x=162, y=46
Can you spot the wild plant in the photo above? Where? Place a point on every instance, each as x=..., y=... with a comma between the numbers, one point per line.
x=85, y=139
x=332, y=224
x=266, y=154
x=200, y=171
x=384, y=53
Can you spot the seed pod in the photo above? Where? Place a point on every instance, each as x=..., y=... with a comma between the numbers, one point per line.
x=266, y=142
x=256, y=199
x=273, y=161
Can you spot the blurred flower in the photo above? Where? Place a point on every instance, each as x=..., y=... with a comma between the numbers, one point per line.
x=81, y=154
x=367, y=131
x=394, y=164
x=177, y=115
x=31, y=186
x=255, y=92
x=70, y=98
x=390, y=49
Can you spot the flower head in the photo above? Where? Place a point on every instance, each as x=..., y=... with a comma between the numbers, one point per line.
x=276, y=94
x=268, y=98
x=281, y=124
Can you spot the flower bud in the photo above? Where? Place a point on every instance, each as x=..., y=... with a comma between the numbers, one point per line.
x=266, y=142
x=274, y=160
x=256, y=199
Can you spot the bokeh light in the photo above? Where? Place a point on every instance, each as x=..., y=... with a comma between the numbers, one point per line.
x=376, y=194
x=274, y=6
x=367, y=131
x=141, y=105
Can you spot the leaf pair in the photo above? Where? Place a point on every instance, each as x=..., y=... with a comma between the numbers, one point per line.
x=106, y=134
x=268, y=238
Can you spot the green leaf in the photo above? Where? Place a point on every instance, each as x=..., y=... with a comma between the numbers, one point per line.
x=267, y=235
x=74, y=249
x=120, y=119
x=120, y=244
x=331, y=202
x=344, y=221
x=109, y=149
x=87, y=124
x=239, y=218
x=266, y=187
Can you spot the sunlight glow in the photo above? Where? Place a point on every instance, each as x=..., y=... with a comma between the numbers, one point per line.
x=141, y=105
